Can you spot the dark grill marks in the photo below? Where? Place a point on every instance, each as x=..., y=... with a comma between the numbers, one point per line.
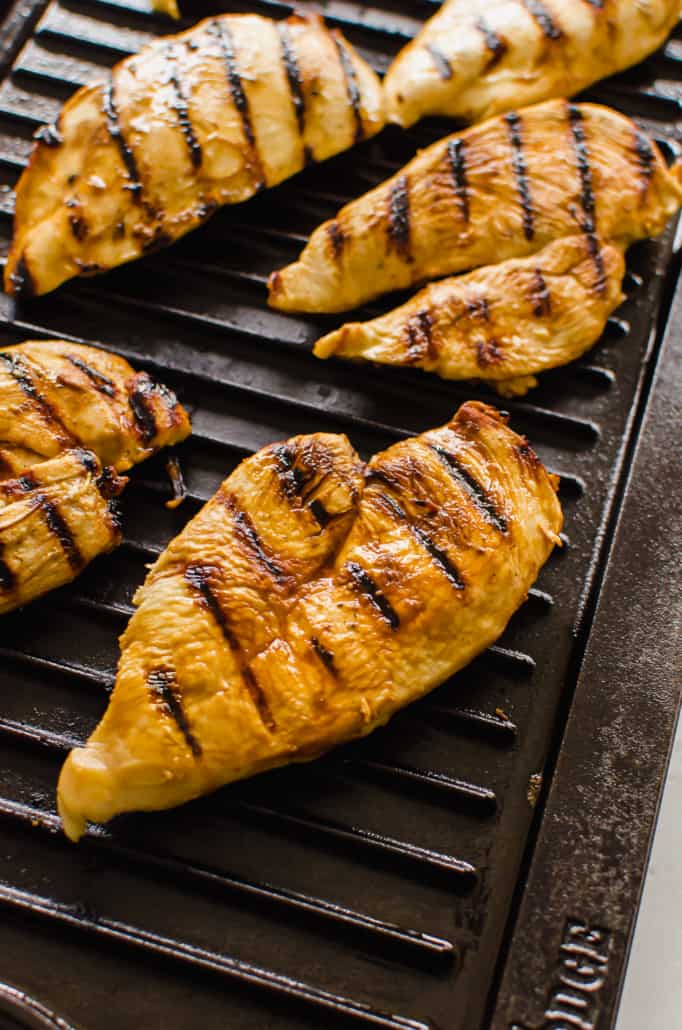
x=225, y=40
x=352, y=87
x=521, y=173
x=437, y=555
x=420, y=342
x=164, y=689
x=368, y=588
x=336, y=238
x=21, y=373
x=482, y=501
x=59, y=528
x=295, y=480
x=199, y=578
x=290, y=476
x=181, y=108
x=101, y=382
x=88, y=461
x=443, y=66
x=399, y=216
x=587, y=199
x=259, y=699
x=79, y=227
x=54, y=521
x=646, y=159
x=320, y=513
x=440, y=558
x=550, y=28
x=488, y=352
x=495, y=44
x=246, y=532
x=457, y=158
x=143, y=409
x=127, y=156
x=325, y=656
x=293, y=74
x=542, y=300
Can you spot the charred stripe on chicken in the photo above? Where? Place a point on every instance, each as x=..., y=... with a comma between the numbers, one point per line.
x=199, y=577
x=101, y=382
x=521, y=173
x=457, y=159
x=495, y=44
x=420, y=342
x=293, y=74
x=483, y=502
x=439, y=557
x=544, y=18
x=352, y=87
x=164, y=687
x=21, y=373
x=542, y=300
x=587, y=197
x=225, y=39
x=181, y=108
x=441, y=63
x=114, y=128
x=399, y=216
x=366, y=586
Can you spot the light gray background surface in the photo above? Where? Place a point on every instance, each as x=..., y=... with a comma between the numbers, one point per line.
x=653, y=983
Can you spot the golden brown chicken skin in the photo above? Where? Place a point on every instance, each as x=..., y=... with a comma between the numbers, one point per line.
x=169, y=7
x=208, y=117
x=310, y=600
x=477, y=58
x=503, y=323
x=54, y=519
x=56, y=395
x=500, y=190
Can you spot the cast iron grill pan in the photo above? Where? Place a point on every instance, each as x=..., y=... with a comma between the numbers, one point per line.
x=373, y=887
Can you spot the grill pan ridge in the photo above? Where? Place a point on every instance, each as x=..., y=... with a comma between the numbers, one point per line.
x=374, y=887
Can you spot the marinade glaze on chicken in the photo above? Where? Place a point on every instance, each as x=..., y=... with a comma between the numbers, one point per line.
x=72, y=418
x=502, y=323
x=500, y=190
x=209, y=117
x=307, y=602
x=478, y=58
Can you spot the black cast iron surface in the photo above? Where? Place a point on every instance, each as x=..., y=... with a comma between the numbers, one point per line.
x=374, y=887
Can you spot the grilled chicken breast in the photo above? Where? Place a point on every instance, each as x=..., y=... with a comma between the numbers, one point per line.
x=54, y=519
x=500, y=190
x=308, y=602
x=208, y=117
x=477, y=58
x=503, y=323
x=56, y=395
x=71, y=418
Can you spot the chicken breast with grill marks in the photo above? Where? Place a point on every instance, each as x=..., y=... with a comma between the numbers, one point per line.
x=477, y=58
x=208, y=117
x=503, y=323
x=500, y=190
x=56, y=395
x=54, y=519
x=310, y=600
x=71, y=418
